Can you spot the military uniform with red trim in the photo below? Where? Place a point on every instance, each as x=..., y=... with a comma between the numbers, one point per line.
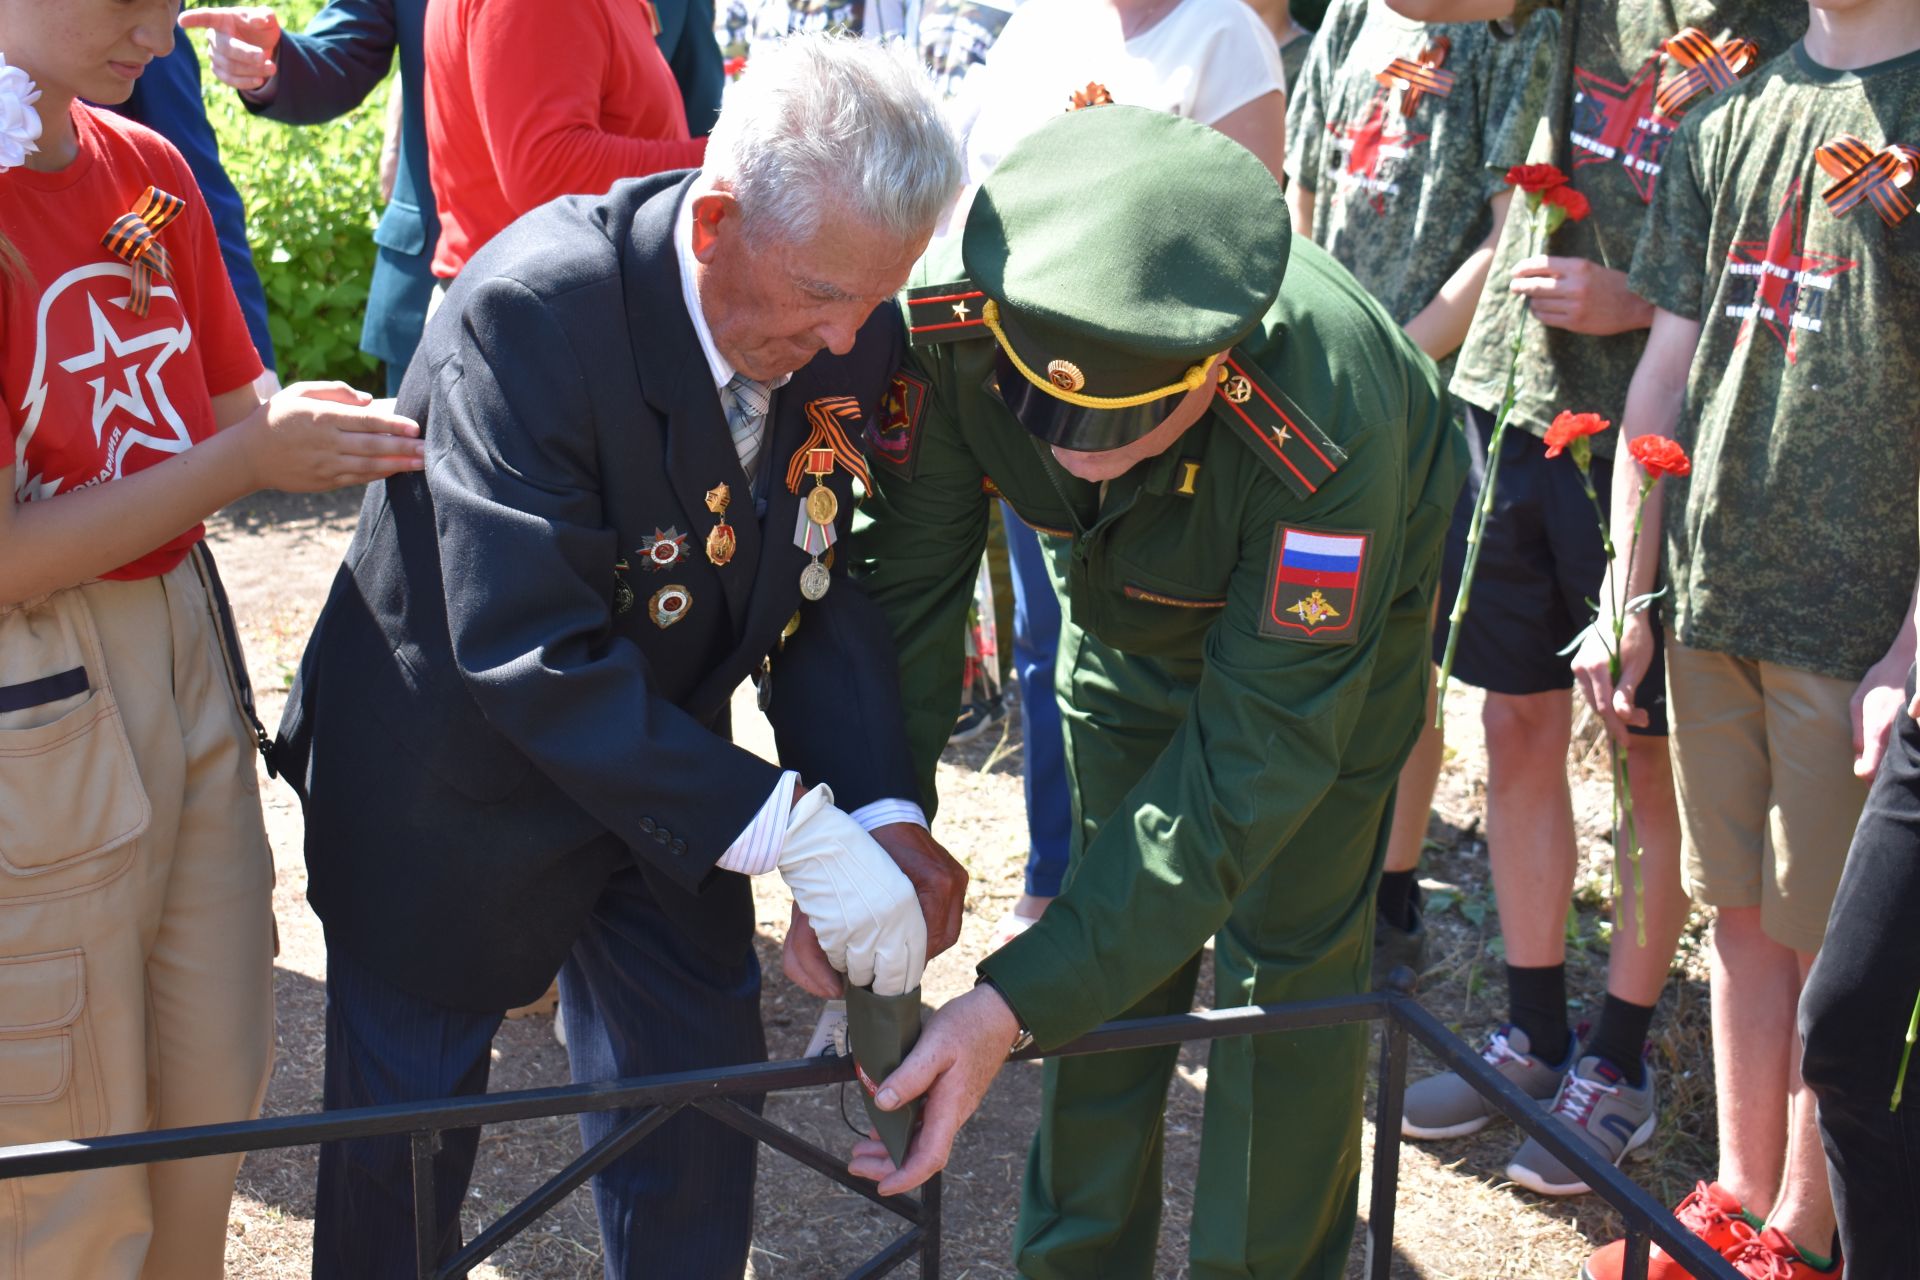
x=1243, y=656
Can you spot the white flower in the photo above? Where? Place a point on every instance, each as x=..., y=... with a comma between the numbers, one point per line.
x=19, y=122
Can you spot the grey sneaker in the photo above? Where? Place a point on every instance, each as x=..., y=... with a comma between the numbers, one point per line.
x=1599, y=1108
x=1445, y=1106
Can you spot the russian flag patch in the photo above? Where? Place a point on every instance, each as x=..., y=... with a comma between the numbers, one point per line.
x=1313, y=586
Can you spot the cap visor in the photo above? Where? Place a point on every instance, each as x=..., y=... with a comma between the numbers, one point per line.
x=1072, y=426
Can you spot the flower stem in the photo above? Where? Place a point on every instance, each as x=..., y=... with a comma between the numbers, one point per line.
x=1542, y=228
x=1906, y=1055
x=1481, y=510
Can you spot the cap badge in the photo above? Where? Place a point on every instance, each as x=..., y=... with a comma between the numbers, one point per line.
x=1066, y=375
x=1094, y=95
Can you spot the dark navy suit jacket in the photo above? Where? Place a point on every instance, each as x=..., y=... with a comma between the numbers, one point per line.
x=328, y=70
x=482, y=732
x=166, y=99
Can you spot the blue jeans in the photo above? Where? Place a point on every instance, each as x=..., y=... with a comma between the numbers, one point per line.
x=1036, y=640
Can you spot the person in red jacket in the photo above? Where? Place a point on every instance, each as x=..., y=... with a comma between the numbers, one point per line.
x=508, y=131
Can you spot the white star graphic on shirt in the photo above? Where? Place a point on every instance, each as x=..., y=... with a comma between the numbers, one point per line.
x=105, y=339
x=126, y=374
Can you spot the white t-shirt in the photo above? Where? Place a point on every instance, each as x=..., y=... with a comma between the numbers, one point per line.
x=1204, y=60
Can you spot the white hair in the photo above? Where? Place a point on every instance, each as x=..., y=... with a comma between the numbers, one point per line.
x=822, y=123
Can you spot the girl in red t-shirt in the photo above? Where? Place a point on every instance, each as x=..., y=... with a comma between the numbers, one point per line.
x=136, y=928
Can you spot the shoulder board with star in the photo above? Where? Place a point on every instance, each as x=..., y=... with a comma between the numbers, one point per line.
x=945, y=313
x=1274, y=427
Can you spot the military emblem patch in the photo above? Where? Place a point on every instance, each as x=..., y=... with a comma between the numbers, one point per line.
x=893, y=434
x=1313, y=586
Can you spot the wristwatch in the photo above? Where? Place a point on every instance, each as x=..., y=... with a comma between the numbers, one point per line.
x=1023, y=1041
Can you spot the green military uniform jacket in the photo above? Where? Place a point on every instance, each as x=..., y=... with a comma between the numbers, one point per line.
x=1348, y=436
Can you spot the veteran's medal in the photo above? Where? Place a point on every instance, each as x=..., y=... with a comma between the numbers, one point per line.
x=814, y=532
x=720, y=537
x=669, y=605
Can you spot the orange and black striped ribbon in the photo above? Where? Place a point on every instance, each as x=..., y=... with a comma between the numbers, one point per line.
x=134, y=238
x=1707, y=68
x=1879, y=178
x=827, y=415
x=1420, y=76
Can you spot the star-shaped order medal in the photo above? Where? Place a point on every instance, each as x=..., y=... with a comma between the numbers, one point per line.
x=663, y=549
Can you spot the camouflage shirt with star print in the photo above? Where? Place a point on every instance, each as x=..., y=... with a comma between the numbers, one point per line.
x=1795, y=540
x=1401, y=177
x=1609, y=67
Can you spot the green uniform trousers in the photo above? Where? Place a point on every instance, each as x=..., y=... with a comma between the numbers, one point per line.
x=1280, y=1148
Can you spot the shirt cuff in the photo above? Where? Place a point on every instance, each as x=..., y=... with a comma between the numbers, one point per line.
x=885, y=812
x=264, y=95
x=756, y=850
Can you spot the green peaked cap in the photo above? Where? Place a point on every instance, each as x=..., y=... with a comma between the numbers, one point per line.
x=1129, y=244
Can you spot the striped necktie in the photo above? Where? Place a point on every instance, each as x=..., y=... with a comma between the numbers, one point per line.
x=746, y=406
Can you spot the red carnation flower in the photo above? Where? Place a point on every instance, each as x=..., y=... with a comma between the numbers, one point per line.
x=1660, y=456
x=1567, y=198
x=1535, y=178
x=1569, y=427
x=732, y=67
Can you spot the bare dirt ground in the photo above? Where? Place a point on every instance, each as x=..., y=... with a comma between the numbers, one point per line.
x=1457, y=1219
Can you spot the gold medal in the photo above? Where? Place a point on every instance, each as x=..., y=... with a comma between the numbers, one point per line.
x=720, y=537
x=669, y=605
x=822, y=505
x=814, y=581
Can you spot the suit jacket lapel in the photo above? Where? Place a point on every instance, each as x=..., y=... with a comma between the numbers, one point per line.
x=677, y=383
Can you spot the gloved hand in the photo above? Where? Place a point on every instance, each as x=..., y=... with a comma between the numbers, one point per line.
x=862, y=906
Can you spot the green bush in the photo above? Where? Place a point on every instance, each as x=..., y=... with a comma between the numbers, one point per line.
x=312, y=197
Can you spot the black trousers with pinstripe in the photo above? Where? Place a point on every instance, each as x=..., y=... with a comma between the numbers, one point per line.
x=661, y=980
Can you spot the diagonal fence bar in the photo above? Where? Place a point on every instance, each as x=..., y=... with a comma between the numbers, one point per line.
x=715, y=1092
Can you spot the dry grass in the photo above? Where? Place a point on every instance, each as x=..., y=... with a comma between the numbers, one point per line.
x=1456, y=1217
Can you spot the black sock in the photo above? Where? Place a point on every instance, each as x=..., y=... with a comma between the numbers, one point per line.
x=1621, y=1035
x=1537, y=1004
x=1395, y=898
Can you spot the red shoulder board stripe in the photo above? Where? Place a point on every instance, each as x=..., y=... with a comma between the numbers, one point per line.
x=945, y=313
x=1283, y=437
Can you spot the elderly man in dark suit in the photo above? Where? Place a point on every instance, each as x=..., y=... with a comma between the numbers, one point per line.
x=510, y=725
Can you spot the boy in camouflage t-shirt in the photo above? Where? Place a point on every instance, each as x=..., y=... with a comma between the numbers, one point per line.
x=1783, y=258
x=1542, y=561
x=1406, y=186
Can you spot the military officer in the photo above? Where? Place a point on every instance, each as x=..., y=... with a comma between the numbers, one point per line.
x=1243, y=490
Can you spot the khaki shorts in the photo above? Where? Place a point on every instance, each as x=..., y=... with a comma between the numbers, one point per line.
x=1763, y=768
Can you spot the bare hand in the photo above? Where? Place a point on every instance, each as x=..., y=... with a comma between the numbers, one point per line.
x=939, y=881
x=961, y=1049
x=245, y=41
x=323, y=435
x=1874, y=706
x=1612, y=700
x=805, y=963
x=1580, y=296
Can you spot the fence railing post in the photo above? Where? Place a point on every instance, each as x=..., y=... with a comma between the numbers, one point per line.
x=1635, y=1263
x=930, y=1223
x=426, y=1242
x=1386, y=1143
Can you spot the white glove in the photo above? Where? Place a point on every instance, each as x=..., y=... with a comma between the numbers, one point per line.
x=861, y=905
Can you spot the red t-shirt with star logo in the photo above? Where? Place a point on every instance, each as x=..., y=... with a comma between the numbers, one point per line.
x=93, y=392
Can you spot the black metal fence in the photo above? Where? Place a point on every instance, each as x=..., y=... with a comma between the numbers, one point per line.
x=654, y=1099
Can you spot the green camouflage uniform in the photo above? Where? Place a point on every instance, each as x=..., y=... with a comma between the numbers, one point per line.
x=1614, y=156
x=1794, y=540
x=1233, y=731
x=1401, y=199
